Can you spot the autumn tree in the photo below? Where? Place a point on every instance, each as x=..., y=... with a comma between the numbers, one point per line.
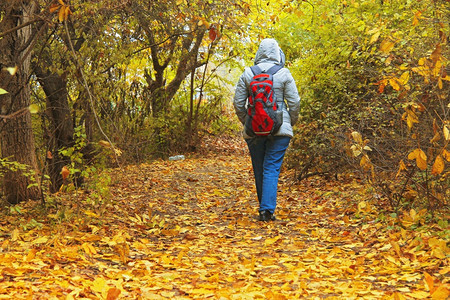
x=180, y=36
x=374, y=78
x=17, y=139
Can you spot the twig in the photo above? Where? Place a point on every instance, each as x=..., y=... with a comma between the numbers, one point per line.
x=91, y=98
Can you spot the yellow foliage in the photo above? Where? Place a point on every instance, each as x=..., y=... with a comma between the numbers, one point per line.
x=420, y=157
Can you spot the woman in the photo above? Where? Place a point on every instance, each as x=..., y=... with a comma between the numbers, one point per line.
x=267, y=152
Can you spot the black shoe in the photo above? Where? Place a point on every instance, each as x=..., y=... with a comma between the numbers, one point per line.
x=266, y=216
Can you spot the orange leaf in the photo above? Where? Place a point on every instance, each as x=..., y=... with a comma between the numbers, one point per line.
x=212, y=33
x=446, y=155
x=429, y=281
x=113, y=294
x=438, y=166
x=54, y=7
x=61, y=14
x=65, y=172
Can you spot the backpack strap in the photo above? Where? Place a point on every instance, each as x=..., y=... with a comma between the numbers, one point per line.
x=274, y=69
x=256, y=70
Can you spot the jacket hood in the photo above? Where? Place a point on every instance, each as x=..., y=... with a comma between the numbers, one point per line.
x=269, y=52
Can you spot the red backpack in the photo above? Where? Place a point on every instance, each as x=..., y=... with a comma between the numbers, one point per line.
x=265, y=114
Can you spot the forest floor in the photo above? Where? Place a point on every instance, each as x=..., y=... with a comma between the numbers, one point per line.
x=189, y=230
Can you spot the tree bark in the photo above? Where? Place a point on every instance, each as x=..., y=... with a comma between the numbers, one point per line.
x=17, y=139
x=61, y=128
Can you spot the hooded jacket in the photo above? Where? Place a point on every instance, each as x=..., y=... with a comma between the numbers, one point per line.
x=269, y=54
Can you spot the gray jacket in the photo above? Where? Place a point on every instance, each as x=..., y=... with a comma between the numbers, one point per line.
x=268, y=54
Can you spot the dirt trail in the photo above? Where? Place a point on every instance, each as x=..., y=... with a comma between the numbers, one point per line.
x=188, y=230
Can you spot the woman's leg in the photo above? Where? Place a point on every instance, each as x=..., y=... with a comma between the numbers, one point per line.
x=256, y=146
x=275, y=148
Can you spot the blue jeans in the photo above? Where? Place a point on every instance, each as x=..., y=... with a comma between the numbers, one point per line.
x=267, y=154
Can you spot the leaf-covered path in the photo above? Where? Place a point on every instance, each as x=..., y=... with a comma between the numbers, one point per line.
x=188, y=230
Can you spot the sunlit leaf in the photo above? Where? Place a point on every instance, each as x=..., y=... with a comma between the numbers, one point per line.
x=438, y=166
x=386, y=46
x=447, y=132
x=12, y=70
x=33, y=108
x=2, y=91
x=420, y=157
x=375, y=37
x=357, y=137
x=441, y=293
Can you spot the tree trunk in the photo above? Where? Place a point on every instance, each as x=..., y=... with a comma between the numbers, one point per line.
x=17, y=140
x=61, y=126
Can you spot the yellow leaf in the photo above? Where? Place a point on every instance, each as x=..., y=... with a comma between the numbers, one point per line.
x=375, y=37
x=446, y=132
x=411, y=118
x=365, y=163
x=271, y=241
x=90, y=213
x=401, y=167
x=61, y=14
x=404, y=78
x=418, y=294
x=99, y=285
x=441, y=293
x=89, y=249
x=435, y=138
x=2, y=91
x=438, y=253
x=396, y=247
x=33, y=108
x=357, y=137
x=356, y=151
x=31, y=255
x=362, y=206
x=15, y=235
x=12, y=70
x=421, y=160
x=386, y=46
x=40, y=240
x=61, y=2
x=413, y=154
x=394, y=83
x=438, y=166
